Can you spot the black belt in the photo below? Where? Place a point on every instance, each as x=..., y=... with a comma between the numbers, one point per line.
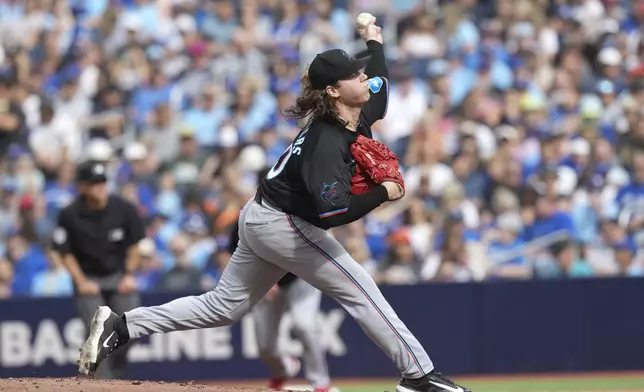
x=261, y=200
x=258, y=198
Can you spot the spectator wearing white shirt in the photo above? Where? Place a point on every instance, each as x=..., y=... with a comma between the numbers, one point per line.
x=418, y=218
x=47, y=139
x=71, y=106
x=429, y=166
x=419, y=40
x=407, y=105
x=454, y=201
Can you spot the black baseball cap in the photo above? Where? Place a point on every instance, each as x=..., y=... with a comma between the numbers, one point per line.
x=91, y=172
x=333, y=65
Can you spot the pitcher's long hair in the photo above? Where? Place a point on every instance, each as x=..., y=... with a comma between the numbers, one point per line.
x=311, y=103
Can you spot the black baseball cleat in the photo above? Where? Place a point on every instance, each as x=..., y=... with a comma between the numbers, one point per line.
x=107, y=332
x=431, y=382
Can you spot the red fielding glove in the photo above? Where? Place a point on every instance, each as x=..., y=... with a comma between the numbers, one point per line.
x=375, y=164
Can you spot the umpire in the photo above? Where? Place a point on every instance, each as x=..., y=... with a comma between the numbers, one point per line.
x=97, y=238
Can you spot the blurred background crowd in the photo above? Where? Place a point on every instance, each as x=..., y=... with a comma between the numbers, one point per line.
x=520, y=124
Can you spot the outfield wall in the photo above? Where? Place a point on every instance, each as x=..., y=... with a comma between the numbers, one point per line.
x=495, y=327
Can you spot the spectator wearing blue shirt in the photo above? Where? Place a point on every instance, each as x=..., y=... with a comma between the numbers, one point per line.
x=630, y=202
x=59, y=193
x=491, y=39
x=183, y=276
x=610, y=61
x=205, y=117
x=474, y=182
x=12, y=11
x=220, y=25
x=479, y=69
x=271, y=143
x=161, y=230
x=216, y=264
x=151, y=267
x=635, y=18
x=28, y=259
x=251, y=110
x=587, y=212
x=286, y=76
x=286, y=128
x=613, y=112
x=551, y=235
x=201, y=245
x=338, y=17
x=55, y=281
x=149, y=96
x=549, y=167
x=290, y=28
x=137, y=171
x=612, y=252
x=168, y=199
x=506, y=249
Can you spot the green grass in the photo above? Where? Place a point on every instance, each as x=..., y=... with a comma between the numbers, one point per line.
x=524, y=384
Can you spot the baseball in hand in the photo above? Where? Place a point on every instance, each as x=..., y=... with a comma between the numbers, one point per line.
x=364, y=19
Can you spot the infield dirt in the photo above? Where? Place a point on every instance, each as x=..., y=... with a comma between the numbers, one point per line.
x=79, y=384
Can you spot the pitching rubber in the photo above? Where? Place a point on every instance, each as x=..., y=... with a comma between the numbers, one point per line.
x=89, y=349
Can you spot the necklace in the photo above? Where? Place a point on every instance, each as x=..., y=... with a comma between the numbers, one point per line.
x=350, y=124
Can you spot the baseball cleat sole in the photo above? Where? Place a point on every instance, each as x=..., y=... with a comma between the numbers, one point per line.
x=89, y=349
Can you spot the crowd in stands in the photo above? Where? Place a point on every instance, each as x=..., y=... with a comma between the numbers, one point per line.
x=520, y=124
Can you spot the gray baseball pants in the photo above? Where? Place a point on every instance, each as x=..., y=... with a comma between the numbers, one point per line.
x=271, y=243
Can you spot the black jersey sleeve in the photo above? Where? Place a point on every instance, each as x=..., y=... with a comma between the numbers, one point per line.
x=378, y=74
x=328, y=181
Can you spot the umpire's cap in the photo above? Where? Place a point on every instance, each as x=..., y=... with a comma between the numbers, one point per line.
x=91, y=172
x=333, y=65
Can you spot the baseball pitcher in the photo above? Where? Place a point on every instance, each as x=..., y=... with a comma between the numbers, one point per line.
x=332, y=174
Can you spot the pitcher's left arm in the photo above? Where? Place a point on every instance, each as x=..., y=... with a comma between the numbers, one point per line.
x=378, y=74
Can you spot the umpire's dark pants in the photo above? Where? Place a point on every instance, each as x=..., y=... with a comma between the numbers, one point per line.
x=115, y=365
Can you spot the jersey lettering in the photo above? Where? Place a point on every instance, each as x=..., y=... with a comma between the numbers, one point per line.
x=297, y=150
x=279, y=165
x=293, y=148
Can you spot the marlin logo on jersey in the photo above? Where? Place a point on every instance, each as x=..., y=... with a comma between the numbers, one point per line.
x=375, y=84
x=328, y=193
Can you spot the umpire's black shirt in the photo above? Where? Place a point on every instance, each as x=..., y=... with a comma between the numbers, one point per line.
x=98, y=239
x=312, y=179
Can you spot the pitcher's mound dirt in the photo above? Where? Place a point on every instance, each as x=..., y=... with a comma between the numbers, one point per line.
x=91, y=385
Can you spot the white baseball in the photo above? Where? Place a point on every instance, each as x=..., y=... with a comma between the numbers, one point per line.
x=364, y=19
